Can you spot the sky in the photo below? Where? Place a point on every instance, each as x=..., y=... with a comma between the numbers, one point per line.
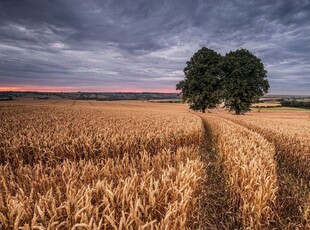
x=143, y=45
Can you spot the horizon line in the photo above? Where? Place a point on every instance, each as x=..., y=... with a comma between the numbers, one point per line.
x=37, y=91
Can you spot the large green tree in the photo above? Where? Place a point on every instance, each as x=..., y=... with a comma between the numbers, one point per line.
x=244, y=80
x=201, y=85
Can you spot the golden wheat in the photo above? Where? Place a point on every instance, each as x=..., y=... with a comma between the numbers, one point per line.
x=250, y=172
x=289, y=132
x=133, y=165
x=78, y=167
x=291, y=135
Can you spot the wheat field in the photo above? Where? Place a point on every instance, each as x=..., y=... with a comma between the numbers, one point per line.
x=289, y=133
x=80, y=167
x=250, y=172
x=137, y=165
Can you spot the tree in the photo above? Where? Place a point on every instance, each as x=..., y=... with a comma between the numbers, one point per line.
x=244, y=80
x=200, y=88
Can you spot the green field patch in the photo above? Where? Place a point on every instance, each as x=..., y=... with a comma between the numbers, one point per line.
x=281, y=108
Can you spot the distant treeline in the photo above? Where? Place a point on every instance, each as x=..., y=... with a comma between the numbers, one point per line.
x=101, y=96
x=165, y=101
x=297, y=104
x=6, y=99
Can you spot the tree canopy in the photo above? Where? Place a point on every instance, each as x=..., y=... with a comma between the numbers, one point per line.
x=238, y=79
x=244, y=82
x=200, y=87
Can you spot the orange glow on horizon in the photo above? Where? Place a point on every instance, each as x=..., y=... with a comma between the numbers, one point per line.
x=81, y=89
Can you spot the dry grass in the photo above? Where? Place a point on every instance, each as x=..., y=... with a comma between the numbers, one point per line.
x=81, y=168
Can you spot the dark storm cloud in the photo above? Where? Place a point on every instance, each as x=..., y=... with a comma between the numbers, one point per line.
x=104, y=45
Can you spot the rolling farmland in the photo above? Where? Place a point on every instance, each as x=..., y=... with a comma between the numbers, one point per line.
x=136, y=165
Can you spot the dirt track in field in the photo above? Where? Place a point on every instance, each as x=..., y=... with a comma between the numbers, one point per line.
x=293, y=189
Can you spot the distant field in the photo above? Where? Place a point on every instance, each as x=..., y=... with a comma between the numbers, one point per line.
x=283, y=108
x=266, y=105
x=134, y=165
x=166, y=101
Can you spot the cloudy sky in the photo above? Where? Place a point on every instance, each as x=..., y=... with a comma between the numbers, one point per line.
x=143, y=45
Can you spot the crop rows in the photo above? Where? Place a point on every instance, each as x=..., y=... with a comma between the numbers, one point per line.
x=249, y=169
x=292, y=144
x=291, y=137
x=88, y=168
x=134, y=165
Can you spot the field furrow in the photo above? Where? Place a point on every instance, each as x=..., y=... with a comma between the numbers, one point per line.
x=68, y=164
x=250, y=171
x=215, y=209
x=291, y=138
x=292, y=158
